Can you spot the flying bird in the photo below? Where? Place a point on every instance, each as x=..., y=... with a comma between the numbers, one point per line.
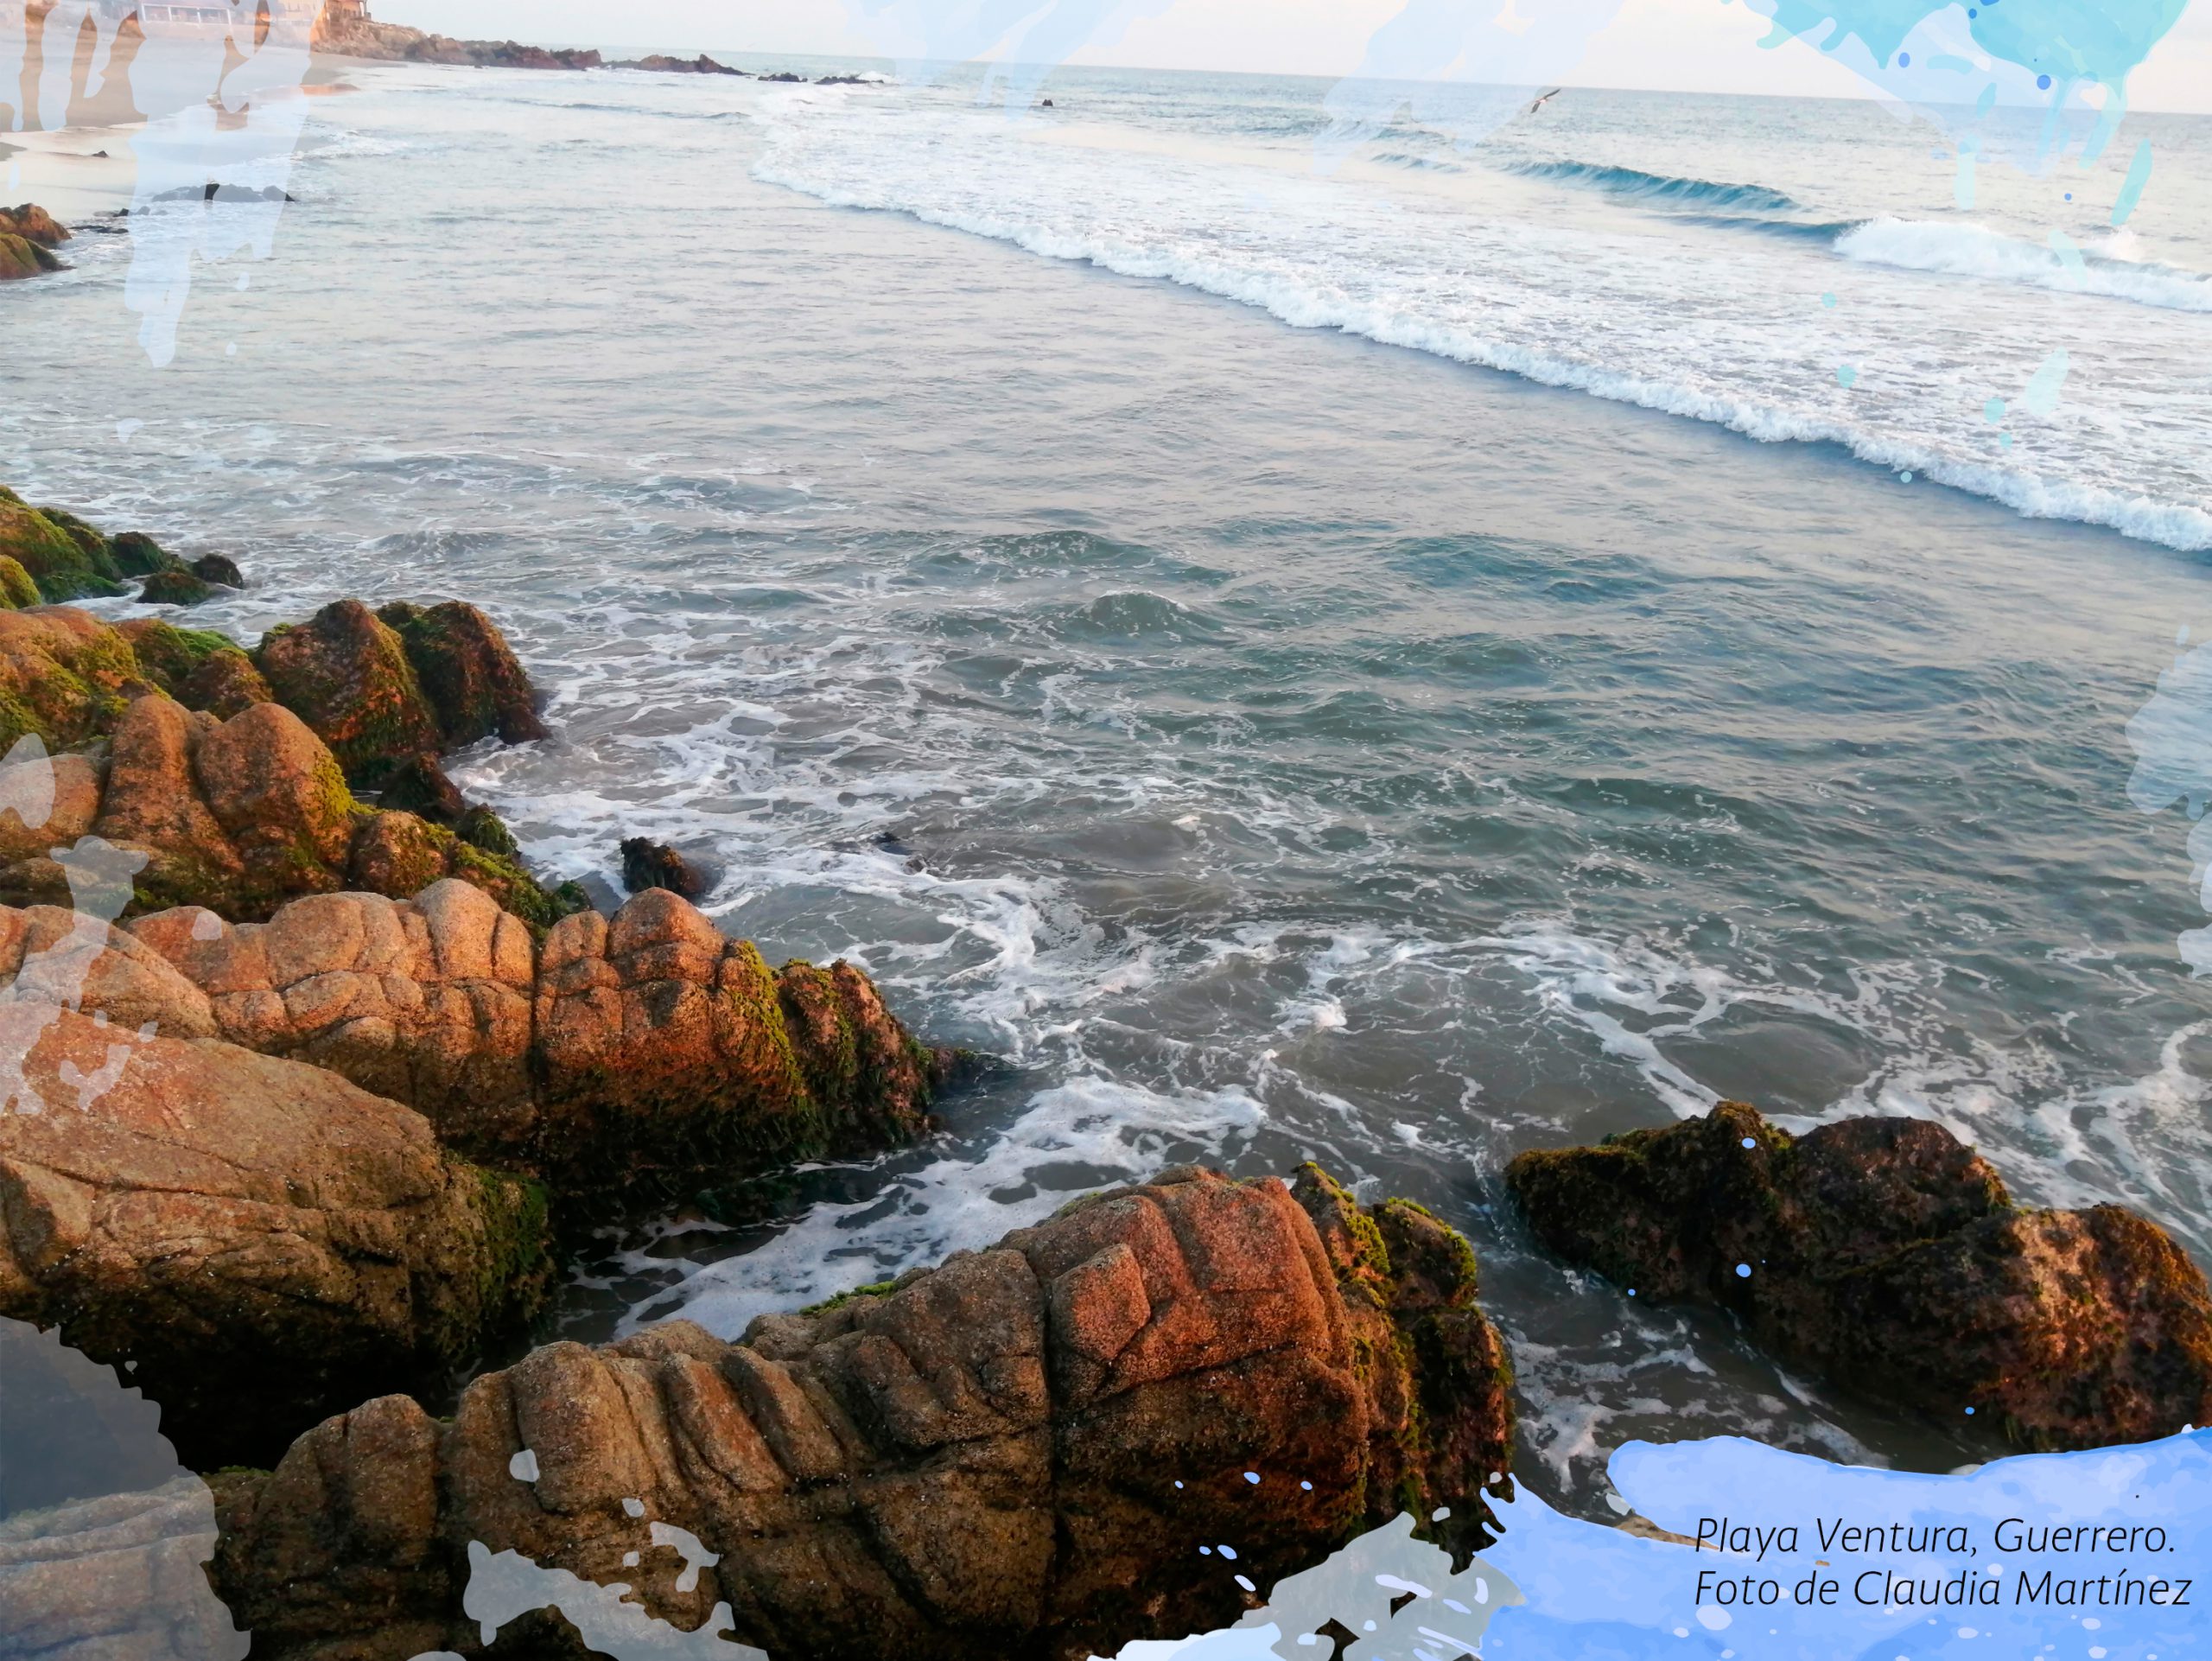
x=1543, y=99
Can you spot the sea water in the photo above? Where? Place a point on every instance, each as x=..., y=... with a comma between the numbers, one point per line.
x=1150, y=580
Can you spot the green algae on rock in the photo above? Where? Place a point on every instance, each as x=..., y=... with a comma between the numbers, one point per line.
x=346, y=674
x=468, y=672
x=66, y=558
x=1890, y=1255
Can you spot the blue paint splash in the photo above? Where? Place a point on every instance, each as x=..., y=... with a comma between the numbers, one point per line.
x=2131, y=189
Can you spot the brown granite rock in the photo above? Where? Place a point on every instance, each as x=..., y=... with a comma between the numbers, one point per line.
x=33, y=224
x=640, y=1054
x=64, y=675
x=348, y=676
x=263, y=1239
x=1888, y=1255
x=1016, y=1453
x=49, y=805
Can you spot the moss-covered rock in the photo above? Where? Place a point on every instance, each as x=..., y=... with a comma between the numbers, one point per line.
x=63, y=562
x=468, y=672
x=1888, y=1255
x=346, y=674
x=136, y=554
x=20, y=257
x=64, y=675
x=167, y=655
x=219, y=569
x=16, y=588
x=419, y=785
x=224, y=683
x=178, y=588
x=480, y=828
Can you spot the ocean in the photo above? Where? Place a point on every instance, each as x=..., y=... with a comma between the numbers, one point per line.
x=1394, y=643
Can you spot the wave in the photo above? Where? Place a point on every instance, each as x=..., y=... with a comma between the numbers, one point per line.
x=1657, y=187
x=1306, y=304
x=1419, y=163
x=1975, y=250
x=1805, y=230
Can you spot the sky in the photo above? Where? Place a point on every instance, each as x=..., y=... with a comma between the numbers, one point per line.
x=1707, y=46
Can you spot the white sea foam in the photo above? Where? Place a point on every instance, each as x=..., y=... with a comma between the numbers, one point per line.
x=1714, y=331
x=1978, y=252
x=965, y=1199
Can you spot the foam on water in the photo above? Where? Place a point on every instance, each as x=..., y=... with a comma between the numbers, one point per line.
x=1638, y=310
x=1979, y=252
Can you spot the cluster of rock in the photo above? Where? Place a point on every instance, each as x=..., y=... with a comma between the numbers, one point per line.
x=1887, y=1255
x=328, y=1155
x=29, y=235
x=1019, y=1451
x=49, y=554
x=177, y=750
x=303, y=1129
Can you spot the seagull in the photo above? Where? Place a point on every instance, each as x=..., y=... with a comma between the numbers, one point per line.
x=1543, y=99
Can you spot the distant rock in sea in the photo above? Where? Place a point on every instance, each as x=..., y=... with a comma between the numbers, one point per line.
x=660, y=64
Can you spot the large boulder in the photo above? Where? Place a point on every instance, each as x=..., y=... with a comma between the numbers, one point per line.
x=1887, y=1255
x=260, y=1239
x=20, y=257
x=346, y=674
x=33, y=224
x=474, y=684
x=1021, y=1452
x=637, y=1055
x=64, y=675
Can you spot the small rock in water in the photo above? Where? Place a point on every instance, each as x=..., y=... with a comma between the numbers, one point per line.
x=648, y=865
x=219, y=568
x=175, y=587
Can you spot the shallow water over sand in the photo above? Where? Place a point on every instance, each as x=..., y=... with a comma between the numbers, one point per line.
x=1270, y=743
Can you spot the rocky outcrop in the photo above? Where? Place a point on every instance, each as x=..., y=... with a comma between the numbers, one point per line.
x=27, y=234
x=34, y=224
x=361, y=38
x=1020, y=1452
x=348, y=676
x=219, y=569
x=65, y=677
x=661, y=64
x=384, y=688
x=1888, y=1255
x=20, y=257
x=234, y=801
x=260, y=1239
x=638, y=1054
x=173, y=588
